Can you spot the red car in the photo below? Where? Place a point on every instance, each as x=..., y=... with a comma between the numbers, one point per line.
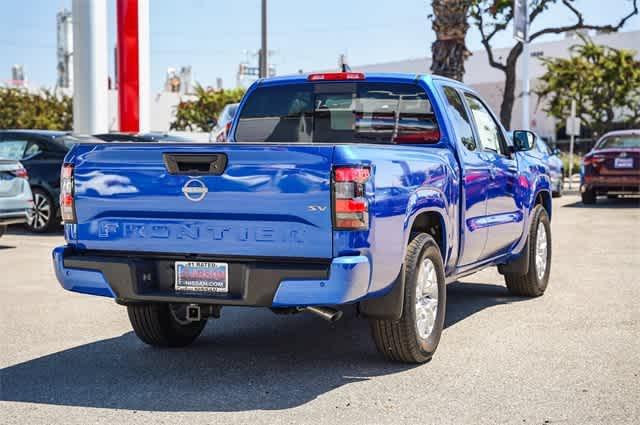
x=612, y=167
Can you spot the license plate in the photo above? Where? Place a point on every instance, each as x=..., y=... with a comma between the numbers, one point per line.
x=197, y=276
x=623, y=163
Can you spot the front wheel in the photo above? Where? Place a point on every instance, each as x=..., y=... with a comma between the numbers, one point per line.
x=160, y=326
x=414, y=338
x=534, y=282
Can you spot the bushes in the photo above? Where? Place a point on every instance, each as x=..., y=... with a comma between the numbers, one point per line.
x=198, y=114
x=44, y=110
x=577, y=159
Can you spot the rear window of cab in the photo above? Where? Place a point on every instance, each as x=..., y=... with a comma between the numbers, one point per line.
x=343, y=112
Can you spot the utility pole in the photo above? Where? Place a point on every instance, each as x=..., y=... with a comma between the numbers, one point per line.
x=263, y=50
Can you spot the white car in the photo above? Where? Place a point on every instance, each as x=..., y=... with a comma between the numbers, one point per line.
x=220, y=131
x=16, y=201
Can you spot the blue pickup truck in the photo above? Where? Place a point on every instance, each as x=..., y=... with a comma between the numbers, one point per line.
x=334, y=189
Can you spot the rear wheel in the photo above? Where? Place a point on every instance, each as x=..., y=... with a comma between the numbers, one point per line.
x=160, y=325
x=3, y=229
x=534, y=282
x=43, y=215
x=612, y=196
x=414, y=338
x=588, y=197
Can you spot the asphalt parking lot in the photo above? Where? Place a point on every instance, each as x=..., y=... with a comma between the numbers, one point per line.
x=572, y=356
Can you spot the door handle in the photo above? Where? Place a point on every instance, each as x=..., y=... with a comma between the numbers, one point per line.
x=195, y=164
x=492, y=173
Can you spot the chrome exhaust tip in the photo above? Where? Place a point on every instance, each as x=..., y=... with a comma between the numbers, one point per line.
x=329, y=314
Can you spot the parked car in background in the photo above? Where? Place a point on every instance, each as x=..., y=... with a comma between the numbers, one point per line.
x=41, y=152
x=612, y=167
x=15, y=194
x=141, y=137
x=556, y=169
x=221, y=129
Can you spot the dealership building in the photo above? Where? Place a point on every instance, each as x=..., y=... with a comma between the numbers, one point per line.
x=489, y=81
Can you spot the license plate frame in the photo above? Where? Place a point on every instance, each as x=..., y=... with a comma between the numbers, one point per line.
x=623, y=163
x=201, y=277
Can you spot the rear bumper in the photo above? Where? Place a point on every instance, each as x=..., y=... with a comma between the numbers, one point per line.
x=611, y=184
x=252, y=282
x=14, y=216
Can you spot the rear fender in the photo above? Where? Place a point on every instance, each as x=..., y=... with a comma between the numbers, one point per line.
x=424, y=200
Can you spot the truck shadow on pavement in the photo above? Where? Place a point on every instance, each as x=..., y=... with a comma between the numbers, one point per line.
x=249, y=359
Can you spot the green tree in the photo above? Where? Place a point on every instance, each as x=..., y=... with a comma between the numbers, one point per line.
x=603, y=81
x=492, y=17
x=44, y=110
x=449, y=51
x=198, y=114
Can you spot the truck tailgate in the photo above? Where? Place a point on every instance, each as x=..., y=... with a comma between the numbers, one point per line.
x=261, y=201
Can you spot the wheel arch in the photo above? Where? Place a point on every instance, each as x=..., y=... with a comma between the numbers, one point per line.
x=543, y=197
x=432, y=222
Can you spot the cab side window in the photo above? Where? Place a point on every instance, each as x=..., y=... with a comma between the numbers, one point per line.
x=461, y=119
x=33, y=149
x=488, y=129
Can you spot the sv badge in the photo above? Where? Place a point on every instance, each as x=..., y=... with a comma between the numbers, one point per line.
x=316, y=208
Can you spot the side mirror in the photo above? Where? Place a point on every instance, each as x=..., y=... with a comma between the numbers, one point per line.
x=523, y=140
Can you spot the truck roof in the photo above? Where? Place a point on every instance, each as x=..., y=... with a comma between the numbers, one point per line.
x=386, y=77
x=380, y=76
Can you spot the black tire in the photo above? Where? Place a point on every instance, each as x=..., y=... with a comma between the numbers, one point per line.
x=400, y=340
x=45, y=212
x=156, y=325
x=3, y=229
x=588, y=197
x=531, y=284
x=612, y=196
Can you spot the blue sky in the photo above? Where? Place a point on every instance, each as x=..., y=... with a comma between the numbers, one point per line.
x=213, y=35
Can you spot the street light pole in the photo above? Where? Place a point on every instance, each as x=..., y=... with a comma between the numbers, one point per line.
x=263, y=49
x=525, y=85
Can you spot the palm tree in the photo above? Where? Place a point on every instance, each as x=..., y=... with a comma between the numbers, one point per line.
x=449, y=51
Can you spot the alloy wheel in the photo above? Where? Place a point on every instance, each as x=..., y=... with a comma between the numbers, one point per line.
x=41, y=213
x=426, y=298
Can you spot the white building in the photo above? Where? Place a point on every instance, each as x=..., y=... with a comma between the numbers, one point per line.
x=489, y=81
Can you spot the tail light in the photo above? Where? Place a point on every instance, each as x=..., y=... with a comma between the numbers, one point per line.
x=350, y=207
x=67, y=202
x=21, y=173
x=594, y=160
